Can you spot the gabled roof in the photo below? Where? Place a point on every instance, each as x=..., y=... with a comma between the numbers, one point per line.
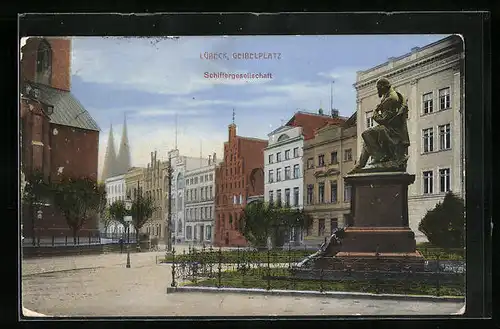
x=351, y=121
x=68, y=111
x=311, y=122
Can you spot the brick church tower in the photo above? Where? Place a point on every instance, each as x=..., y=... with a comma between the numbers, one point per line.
x=58, y=135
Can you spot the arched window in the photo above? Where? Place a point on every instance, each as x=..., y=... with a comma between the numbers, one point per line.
x=180, y=181
x=283, y=137
x=44, y=63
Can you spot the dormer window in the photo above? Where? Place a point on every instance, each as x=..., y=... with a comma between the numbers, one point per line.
x=43, y=63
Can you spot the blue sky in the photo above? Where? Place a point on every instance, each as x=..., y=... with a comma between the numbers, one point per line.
x=152, y=83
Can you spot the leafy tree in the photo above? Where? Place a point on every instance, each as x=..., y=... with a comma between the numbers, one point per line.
x=35, y=191
x=261, y=221
x=256, y=223
x=117, y=212
x=79, y=200
x=444, y=225
x=142, y=210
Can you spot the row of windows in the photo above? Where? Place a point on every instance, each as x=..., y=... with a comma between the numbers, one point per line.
x=230, y=222
x=444, y=181
x=199, y=213
x=288, y=155
x=196, y=236
x=288, y=202
x=288, y=174
x=444, y=97
x=115, y=189
x=334, y=224
x=333, y=159
x=202, y=178
x=444, y=138
x=206, y=193
x=114, y=199
x=321, y=195
x=154, y=230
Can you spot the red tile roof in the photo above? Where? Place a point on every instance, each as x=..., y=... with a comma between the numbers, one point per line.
x=310, y=122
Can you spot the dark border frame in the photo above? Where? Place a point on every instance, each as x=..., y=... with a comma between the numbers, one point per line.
x=473, y=26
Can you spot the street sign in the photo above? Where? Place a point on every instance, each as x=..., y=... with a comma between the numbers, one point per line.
x=127, y=219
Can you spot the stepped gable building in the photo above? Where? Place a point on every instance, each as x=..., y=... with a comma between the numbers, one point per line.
x=116, y=164
x=283, y=169
x=58, y=135
x=432, y=78
x=328, y=157
x=238, y=179
x=154, y=185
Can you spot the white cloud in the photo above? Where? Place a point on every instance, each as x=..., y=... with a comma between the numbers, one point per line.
x=306, y=96
x=170, y=67
x=145, y=138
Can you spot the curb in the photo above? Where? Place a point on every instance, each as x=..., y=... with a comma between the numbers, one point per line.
x=330, y=294
x=59, y=271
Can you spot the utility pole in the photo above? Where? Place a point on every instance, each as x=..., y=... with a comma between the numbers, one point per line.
x=169, y=213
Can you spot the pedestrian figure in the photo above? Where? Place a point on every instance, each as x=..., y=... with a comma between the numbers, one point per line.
x=121, y=245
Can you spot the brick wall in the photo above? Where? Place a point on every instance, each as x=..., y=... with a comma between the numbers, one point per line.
x=61, y=61
x=77, y=151
x=242, y=156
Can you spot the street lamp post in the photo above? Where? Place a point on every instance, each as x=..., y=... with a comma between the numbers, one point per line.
x=169, y=219
x=128, y=220
x=39, y=216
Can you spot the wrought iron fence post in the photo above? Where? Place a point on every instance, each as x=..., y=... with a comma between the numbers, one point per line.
x=237, y=257
x=377, y=288
x=66, y=240
x=268, y=269
x=211, y=261
x=53, y=238
x=438, y=285
x=173, y=284
x=202, y=260
x=219, y=272
x=321, y=273
x=78, y=240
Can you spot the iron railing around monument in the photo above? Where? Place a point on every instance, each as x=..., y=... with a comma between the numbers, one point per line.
x=284, y=269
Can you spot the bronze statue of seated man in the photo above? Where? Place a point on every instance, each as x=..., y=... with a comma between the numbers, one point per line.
x=387, y=143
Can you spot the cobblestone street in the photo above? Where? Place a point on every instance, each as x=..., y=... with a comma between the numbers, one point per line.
x=102, y=286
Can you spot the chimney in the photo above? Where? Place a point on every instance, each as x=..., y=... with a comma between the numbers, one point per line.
x=209, y=159
x=335, y=113
x=214, y=159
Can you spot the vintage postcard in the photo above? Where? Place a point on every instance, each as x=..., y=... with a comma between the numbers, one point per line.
x=242, y=175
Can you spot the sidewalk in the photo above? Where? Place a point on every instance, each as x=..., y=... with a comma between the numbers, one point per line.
x=103, y=286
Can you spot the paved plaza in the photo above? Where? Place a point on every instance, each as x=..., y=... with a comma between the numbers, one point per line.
x=101, y=285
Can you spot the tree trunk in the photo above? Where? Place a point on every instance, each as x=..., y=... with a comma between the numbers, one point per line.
x=137, y=242
x=32, y=213
x=75, y=232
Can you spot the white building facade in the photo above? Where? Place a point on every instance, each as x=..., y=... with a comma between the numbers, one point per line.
x=283, y=172
x=432, y=79
x=200, y=203
x=180, y=164
x=115, y=191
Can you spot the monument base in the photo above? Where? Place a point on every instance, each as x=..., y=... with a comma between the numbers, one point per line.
x=378, y=236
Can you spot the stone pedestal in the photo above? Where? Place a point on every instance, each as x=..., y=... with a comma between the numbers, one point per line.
x=379, y=234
